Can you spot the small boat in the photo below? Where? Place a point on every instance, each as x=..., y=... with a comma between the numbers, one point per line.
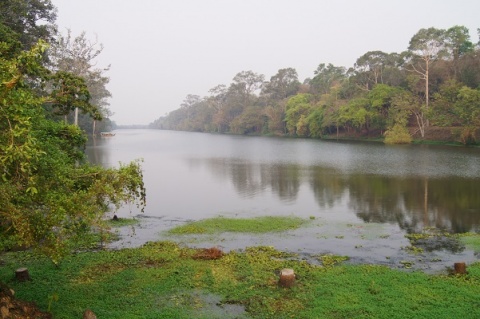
x=107, y=134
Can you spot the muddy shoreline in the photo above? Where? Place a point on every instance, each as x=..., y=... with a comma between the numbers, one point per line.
x=363, y=243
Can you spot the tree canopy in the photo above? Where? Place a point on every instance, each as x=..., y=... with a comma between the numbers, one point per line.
x=382, y=94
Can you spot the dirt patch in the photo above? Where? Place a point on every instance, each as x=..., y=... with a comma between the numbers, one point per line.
x=209, y=254
x=12, y=308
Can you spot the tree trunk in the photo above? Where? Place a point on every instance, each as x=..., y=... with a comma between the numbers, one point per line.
x=287, y=278
x=21, y=274
x=88, y=314
x=76, y=117
x=427, y=96
x=460, y=268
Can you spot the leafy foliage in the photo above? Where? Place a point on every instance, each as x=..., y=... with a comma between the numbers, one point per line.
x=48, y=195
x=30, y=20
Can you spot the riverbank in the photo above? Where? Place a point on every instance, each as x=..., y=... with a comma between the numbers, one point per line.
x=363, y=243
x=166, y=280
x=434, y=135
x=174, y=280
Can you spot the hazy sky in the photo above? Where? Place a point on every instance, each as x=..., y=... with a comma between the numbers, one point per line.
x=161, y=50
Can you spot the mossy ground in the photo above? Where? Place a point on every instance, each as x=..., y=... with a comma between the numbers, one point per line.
x=165, y=280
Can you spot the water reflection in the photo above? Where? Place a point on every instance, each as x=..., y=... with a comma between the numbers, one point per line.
x=413, y=203
x=410, y=186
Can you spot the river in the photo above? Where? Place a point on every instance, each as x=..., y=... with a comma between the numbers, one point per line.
x=352, y=190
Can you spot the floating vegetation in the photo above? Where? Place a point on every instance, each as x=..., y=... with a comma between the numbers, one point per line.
x=257, y=225
x=432, y=239
x=332, y=260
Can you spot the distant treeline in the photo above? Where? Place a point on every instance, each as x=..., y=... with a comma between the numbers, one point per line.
x=434, y=83
x=131, y=126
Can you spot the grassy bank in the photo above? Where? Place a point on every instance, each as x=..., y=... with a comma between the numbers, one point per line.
x=164, y=280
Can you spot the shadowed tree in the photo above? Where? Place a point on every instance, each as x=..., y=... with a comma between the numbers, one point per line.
x=457, y=41
x=32, y=20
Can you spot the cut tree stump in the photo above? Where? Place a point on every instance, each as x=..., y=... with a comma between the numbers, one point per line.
x=21, y=274
x=88, y=314
x=287, y=278
x=460, y=268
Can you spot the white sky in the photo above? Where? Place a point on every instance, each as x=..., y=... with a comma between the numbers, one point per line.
x=161, y=50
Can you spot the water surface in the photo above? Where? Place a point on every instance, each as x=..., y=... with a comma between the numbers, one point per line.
x=345, y=187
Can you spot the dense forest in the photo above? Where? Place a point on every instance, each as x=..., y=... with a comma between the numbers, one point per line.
x=429, y=91
x=50, y=196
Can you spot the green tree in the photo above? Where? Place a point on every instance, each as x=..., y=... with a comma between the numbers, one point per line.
x=326, y=77
x=371, y=65
x=246, y=83
x=275, y=114
x=457, y=42
x=315, y=121
x=458, y=105
x=31, y=20
x=250, y=121
x=377, y=67
x=298, y=108
x=48, y=198
x=355, y=114
x=405, y=104
x=282, y=85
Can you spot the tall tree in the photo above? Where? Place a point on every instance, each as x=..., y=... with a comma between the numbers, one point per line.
x=77, y=55
x=427, y=45
x=457, y=42
x=326, y=77
x=282, y=85
x=372, y=65
x=377, y=67
x=247, y=82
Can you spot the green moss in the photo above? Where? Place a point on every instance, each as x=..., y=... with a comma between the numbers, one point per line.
x=471, y=241
x=239, y=225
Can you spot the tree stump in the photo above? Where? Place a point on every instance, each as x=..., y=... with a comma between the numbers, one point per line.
x=460, y=268
x=88, y=314
x=21, y=274
x=287, y=278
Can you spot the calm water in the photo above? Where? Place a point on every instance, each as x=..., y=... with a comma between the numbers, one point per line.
x=196, y=175
x=361, y=198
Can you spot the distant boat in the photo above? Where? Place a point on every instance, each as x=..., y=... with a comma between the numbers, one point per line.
x=107, y=134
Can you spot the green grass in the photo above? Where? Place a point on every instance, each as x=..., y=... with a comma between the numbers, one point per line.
x=165, y=280
x=239, y=225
